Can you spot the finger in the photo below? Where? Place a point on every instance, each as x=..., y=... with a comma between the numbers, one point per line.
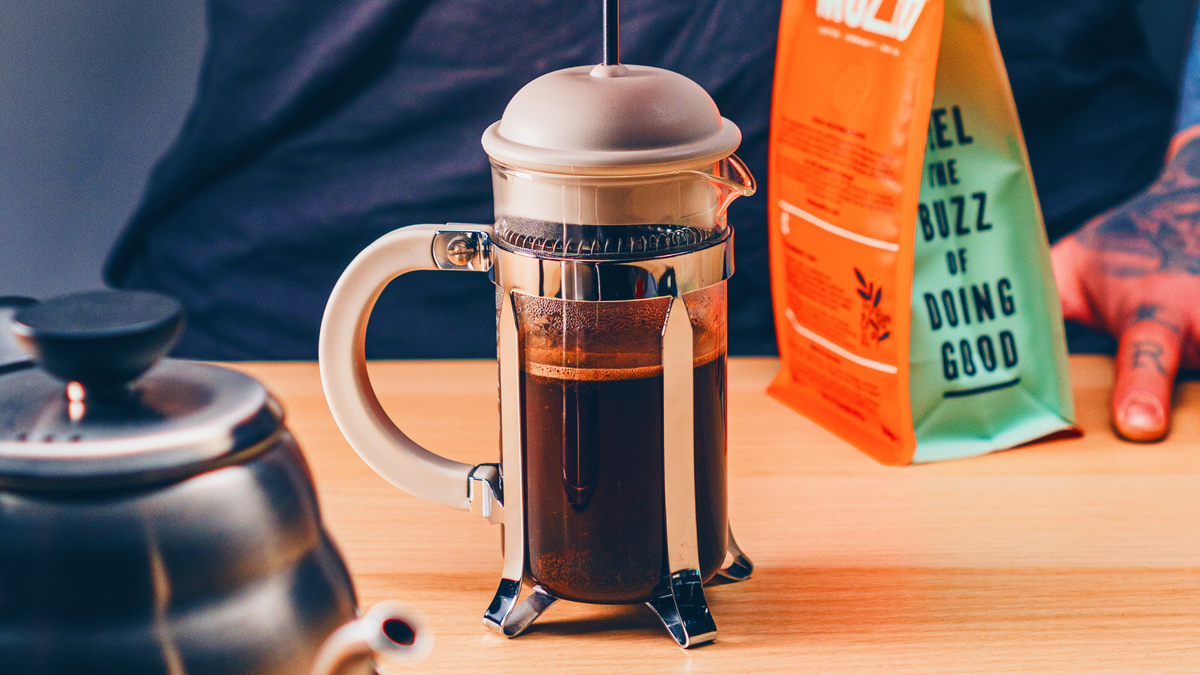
x=1147, y=361
x=1067, y=258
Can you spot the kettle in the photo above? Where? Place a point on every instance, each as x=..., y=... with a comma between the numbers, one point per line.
x=156, y=516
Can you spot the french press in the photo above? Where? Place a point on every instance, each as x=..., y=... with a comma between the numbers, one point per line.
x=610, y=254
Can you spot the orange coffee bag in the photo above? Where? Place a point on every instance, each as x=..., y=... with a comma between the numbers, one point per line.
x=914, y=300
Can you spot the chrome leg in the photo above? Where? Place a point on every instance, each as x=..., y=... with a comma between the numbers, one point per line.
x=503, y=603
x=679, y=598
x=679, y=602
x=737, y=566
x=500, y=615
x=526, y=613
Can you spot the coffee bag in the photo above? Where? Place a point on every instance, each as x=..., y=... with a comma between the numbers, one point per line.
x=914, y=300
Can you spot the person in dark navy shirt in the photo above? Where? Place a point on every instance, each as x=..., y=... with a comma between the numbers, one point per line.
x=319, y=127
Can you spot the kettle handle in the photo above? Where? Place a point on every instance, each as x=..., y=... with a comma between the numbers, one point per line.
x=356, y=409
x=393, y=629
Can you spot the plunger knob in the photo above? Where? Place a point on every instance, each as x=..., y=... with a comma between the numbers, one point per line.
x=103, y=340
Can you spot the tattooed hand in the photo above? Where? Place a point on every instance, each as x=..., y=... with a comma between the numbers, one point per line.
x=1135, y=272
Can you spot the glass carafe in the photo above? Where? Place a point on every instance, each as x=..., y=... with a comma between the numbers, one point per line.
x=592, y=419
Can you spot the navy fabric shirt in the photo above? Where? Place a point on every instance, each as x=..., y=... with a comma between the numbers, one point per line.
x=319, y=127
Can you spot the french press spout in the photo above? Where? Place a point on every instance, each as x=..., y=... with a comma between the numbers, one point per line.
x=610, y=254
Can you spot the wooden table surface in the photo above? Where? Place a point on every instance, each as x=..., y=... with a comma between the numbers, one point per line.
x=1076, y=556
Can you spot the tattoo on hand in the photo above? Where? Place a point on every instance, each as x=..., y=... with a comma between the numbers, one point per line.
x=1148, y=353
x=1149, y=312
x=1159, y=230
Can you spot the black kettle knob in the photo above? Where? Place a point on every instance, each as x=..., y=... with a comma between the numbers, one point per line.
x=102, y=339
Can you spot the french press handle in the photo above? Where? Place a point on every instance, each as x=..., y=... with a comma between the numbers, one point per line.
x=356, y=409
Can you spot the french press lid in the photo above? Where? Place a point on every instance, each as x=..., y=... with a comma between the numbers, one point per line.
x=97, y=406
x=611, y=119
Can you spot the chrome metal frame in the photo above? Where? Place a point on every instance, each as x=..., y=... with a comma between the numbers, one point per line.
x=738, y=566
x=499, y=615
x=679, y=598
x=609, y=280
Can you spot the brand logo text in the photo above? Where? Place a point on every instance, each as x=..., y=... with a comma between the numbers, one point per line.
x=864, y=15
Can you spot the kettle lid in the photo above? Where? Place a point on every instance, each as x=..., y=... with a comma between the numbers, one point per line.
x=611, y=119
x=96, y=405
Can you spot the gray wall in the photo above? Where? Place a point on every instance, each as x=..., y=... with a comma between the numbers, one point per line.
x=93, y=91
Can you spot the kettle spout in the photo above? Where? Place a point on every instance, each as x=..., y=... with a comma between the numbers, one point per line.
x=392, y=629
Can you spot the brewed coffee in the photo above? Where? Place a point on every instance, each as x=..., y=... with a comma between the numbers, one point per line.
x=593, y=441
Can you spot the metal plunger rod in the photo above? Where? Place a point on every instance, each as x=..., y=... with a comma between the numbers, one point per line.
x=612, y=32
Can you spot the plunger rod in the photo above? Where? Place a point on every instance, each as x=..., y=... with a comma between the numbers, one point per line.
x=612, y=32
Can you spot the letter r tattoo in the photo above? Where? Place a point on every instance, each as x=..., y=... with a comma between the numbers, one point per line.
x=1147, y=352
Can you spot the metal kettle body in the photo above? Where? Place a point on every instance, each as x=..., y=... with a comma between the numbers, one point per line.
x=157, y=517
x=228, y=571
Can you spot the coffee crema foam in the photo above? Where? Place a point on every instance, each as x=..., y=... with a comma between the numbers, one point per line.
x=553, y=372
